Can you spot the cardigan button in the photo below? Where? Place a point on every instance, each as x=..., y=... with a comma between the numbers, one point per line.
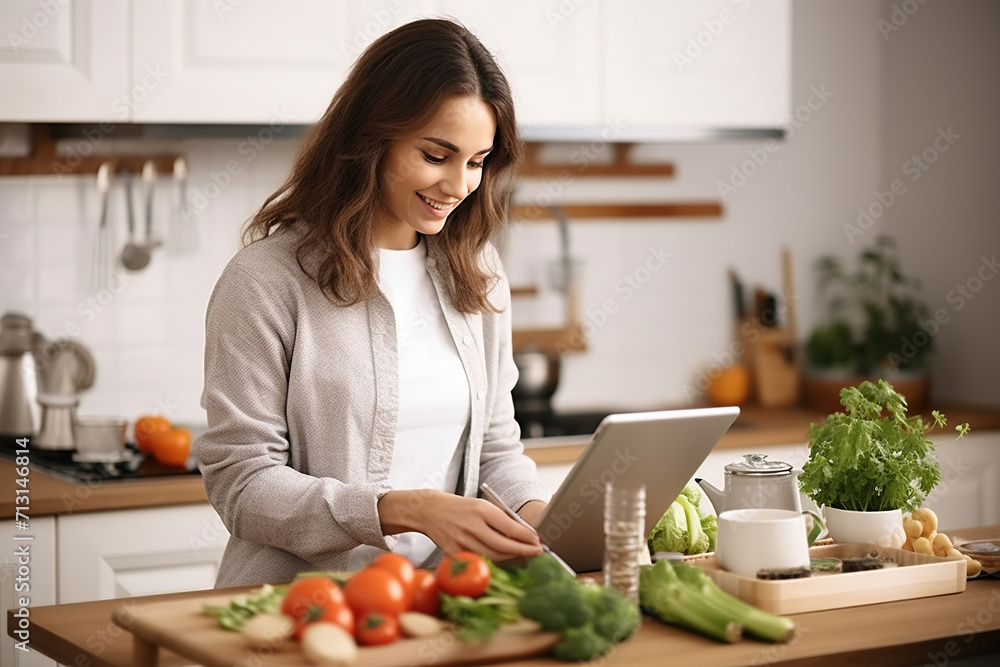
x=480, y=394
x=467, y=339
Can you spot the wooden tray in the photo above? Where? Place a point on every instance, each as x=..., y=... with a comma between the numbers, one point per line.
x=181, y=626
x=916, y=576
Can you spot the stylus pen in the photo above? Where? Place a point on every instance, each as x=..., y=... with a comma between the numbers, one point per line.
x=491, y=496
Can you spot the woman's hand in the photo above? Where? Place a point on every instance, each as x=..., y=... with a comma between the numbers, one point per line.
x=456, y=523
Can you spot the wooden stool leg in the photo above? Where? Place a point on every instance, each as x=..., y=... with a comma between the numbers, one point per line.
x=145, y=654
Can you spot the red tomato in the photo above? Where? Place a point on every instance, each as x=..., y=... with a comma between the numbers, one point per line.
x=375, y=629
x=340, y=614
x=464, y=573
x=425, y=593
x=306, y=596
x=374, y=589
x=400, y=568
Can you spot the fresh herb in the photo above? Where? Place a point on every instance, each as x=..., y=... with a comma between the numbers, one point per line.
x=232, y=616
x=873, y=458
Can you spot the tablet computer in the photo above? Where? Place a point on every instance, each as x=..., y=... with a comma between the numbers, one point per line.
x=663, y=450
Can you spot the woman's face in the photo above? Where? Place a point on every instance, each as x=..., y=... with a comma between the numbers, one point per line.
x=429, y=172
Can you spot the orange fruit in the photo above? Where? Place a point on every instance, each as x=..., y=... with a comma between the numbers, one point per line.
x=146, y=427
x=173, y=447
x=731, y=386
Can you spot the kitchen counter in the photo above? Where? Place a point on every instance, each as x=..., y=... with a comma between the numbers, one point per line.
x=907, y=632
x=755, y=427
x=51, y=496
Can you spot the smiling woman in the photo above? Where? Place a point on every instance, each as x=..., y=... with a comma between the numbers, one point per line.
x=358, y=367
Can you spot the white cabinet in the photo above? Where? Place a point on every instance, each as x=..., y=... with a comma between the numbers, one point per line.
x=550, y=53
x=138, y=552
x=31, y=575
x=708, y=64
x=969, y=491
x=251, y=61
x=64, y=60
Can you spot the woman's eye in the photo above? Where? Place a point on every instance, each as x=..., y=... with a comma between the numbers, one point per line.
x=433, y=159
x=476, y=165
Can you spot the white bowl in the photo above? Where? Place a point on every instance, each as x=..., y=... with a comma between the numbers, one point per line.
x=99, y=435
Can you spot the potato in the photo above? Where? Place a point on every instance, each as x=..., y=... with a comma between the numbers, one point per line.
x=941, y=545
x=328, y=645
x=908, y=544
x=268, y=630
x=972, y=567
x=415, y=624
x=922, y=545
x=913, y=528
x=955, y=554
x=928, y=518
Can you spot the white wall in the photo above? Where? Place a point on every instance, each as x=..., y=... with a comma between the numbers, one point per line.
x=940, y=72
x=148, y=336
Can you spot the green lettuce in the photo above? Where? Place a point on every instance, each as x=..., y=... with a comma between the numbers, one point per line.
x=683, y=527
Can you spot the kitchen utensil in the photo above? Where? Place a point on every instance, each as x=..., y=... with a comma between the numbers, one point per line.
x=987, y=552
x=135, y=256
x=100, y=270
x=148, y=186
x=56, y=430
x=182, y=234
x=757, y=483
x=100, y=438
x=65, y=367
x=491, y=495
x=751, y=540
x=19, y=413
x=538, y=375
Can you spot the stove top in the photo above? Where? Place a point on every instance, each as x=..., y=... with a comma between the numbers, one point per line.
x=133, y=467
x=551, y=424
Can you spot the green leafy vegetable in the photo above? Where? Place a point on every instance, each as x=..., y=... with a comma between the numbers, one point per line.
x=232, y=616
x=683, y=595
x=683, y=528
x=866, y=462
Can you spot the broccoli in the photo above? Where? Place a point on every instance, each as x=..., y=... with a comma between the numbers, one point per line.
x=581, y=643
x=684, y=595
x=543, y=569
x=556, y=605
x=615, y=618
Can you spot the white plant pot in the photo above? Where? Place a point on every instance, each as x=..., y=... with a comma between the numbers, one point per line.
x=882, y=528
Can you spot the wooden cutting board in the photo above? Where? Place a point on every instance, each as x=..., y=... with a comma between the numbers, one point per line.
x=181, y=626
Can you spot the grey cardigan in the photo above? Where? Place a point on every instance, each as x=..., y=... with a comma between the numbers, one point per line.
x=302, y=399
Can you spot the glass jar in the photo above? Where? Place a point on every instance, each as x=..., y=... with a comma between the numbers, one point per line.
x=624, y=525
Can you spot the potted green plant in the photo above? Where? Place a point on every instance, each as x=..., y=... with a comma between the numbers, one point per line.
x=870, y=463
x=872, y=329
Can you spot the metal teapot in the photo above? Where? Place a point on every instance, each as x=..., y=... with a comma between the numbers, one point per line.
x=756, y=483
x=39, y=383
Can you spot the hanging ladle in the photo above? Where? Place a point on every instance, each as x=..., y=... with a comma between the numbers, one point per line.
x=135, y=256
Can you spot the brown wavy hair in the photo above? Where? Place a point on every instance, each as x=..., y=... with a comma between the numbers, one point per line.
x=335, y=190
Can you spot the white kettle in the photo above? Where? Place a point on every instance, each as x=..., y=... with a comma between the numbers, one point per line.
x=756, y=483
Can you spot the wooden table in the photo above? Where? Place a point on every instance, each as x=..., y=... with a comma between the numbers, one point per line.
x=924, y=631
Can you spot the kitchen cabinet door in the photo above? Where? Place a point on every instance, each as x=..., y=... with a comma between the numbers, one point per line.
x=551, y=54
x=709, y=64
x=251, y=61
x=38, y=583
x=105, y=555
x=64, y=61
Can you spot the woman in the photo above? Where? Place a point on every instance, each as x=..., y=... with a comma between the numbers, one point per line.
x=358, y=365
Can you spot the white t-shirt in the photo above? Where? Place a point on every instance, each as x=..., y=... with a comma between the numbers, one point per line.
x=434, y=403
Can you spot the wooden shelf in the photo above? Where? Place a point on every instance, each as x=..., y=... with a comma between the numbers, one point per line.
x=45, y=161
x=620, y=165
x=553, y=341
x=531, y=213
